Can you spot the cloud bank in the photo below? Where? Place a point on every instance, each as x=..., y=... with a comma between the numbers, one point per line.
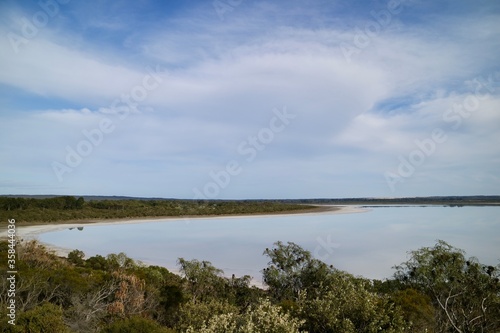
x=153, y=99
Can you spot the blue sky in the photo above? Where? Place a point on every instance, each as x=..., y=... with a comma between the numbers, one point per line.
x=250, y=99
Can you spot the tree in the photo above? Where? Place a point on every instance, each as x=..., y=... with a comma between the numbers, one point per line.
x=135, y=325
x=204, y=281
x=465, y=292
x=348, y=306
x=264, y=318
x=417, y=309
x=120, y=261
x=241, y=293
x=129, y=295
x=195, y=314
x=44, y=318
x=36, y=255
x=80, y=202
x=327, y=299
x=291, y=270
x=76, y=257
x=97, y=262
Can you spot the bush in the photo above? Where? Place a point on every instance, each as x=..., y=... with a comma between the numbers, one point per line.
x=264, y=318
x=76, y=257
x=347, y=306
x=195, y=314
x=135, y=325
x=44, y=318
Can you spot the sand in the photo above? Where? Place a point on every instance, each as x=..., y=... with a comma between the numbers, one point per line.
x=31, y=232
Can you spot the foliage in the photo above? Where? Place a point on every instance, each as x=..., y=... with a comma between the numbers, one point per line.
x=264, y=318
x=348, y=306
x=203, y=279
x=76, y=257
x=292, y=269
x=327, y=299
x=43, y=318
x=464, y=292
x=416, y=308
x=97, y=262
x=135, y=325
x=68, y=208
x=437, y=291
x=193, y=315
x=203, y=282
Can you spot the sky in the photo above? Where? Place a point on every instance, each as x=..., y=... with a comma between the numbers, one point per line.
x=239, y=99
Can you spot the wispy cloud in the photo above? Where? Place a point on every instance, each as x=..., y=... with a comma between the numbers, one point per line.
x=216, y=82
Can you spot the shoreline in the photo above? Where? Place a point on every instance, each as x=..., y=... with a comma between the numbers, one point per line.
x=96, y=221
x=30, y=232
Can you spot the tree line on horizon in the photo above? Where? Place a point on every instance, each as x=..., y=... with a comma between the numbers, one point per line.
x=66, y=208
x=437, y=290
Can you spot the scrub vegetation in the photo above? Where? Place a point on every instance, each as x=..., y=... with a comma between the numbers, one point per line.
x=438, y=289
x=67, y=208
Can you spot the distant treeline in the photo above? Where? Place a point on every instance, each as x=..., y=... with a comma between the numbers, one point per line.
x=433, y=200
x=477, y=200
x=67, y=208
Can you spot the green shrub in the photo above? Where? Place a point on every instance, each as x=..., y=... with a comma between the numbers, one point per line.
x=135, y=325
x=44, y=318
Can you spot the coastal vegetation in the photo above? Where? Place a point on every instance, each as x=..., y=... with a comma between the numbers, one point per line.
x=450, y=201
x=437, y=290
x=67, y=208
x=50, y=209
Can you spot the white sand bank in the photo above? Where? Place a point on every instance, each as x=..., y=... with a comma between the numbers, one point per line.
x=26, y=233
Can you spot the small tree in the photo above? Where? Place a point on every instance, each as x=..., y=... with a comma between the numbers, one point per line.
x=293, y=269
x=76, y=257
x=80, y=202
x=264, y=318
x=348, y=306
x=465, y=291
x=135, y=325
x=195, y=314
x=204, y=281
x=43, y=318
x=417, y=309
x=120, y=261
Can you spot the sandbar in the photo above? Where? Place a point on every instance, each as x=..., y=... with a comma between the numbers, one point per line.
x=31, y=232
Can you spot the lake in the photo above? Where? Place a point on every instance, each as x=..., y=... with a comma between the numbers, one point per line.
x=367, y=243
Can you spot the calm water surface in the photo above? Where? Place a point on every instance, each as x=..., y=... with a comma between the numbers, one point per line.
x=366, y=244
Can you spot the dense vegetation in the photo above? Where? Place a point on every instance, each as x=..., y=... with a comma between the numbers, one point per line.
x=437, y=290
x=71, y=208
x=453, y=201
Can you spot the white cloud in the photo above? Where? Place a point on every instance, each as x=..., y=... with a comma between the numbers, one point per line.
x=223, y=81
x=51, y=70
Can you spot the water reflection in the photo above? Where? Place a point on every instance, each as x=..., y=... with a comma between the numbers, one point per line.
x=367, y=244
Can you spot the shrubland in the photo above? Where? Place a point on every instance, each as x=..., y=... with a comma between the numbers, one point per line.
x=437, y=290
x=67, y=208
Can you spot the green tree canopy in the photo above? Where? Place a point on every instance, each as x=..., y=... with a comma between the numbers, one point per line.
x=135, y=325
x=43, y=318
x=465, y=292
x=292, y=269
x=263, y=318
x=204, y=281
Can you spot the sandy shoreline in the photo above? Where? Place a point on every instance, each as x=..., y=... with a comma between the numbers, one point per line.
x=31, y=232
